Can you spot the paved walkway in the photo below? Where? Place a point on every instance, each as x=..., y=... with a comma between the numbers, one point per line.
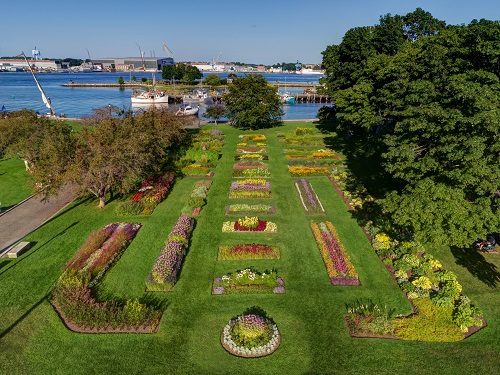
x=28, y=216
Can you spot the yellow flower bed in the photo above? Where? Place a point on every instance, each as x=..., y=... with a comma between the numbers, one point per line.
x=308, y=171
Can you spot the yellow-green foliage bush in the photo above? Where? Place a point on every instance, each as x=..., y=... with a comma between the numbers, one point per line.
x=430, y=323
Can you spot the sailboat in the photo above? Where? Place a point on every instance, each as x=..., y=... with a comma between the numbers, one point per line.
x=45, y=98
x=150, y=97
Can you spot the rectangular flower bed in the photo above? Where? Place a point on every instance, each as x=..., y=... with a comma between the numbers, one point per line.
x=249, y=209
x=248, y=252
x=197, y=170
x=309, y=198
x=249, y=281
x=252, y=138
x=208, y=140
x=300, y=171
x=250, y=188
x=249, y=224
x=251, y=156
x=337, y=261
x=250, y=164
x=251, y=150
x=164, y=273
x=197, y=198
x=251, y=172
x=151, y=193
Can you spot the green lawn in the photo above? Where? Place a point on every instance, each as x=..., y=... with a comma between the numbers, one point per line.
x=309, y=315
x=13, y=188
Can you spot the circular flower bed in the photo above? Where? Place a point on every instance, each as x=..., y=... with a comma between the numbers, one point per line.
x=250, y=336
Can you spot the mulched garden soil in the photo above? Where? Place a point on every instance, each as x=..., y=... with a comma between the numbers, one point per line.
x=81, y=329
x=228, y=349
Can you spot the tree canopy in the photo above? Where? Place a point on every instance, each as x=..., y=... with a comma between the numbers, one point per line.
x=212, y=80
x=181, y=72
x=252, y=103
x=426, y=97
x=113, y=154
x=215, y=111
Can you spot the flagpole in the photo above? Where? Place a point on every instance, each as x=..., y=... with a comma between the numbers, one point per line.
x=45, y=99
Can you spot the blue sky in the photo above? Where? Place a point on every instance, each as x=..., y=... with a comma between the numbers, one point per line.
x=258, y=31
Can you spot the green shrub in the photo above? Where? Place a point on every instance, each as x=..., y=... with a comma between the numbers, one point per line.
x=196, y=201
x=465, y=315
x=129, y=208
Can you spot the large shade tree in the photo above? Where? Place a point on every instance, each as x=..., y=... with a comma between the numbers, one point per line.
x=252, y=102
x=118, y=153
x=109, y=154
x=45, y=146
x=427, y=98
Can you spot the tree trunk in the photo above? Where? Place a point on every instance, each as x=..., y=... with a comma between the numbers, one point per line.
x=102, y=202
x=27, y=165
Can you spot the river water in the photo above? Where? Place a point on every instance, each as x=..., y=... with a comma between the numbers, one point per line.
x=18, y=90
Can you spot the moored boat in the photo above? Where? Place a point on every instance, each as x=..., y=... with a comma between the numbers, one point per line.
x=286, y=98
x=187, y=110
x=198, y=96
x=152, y=96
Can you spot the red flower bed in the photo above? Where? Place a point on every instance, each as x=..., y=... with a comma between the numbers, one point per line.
x=261, y=226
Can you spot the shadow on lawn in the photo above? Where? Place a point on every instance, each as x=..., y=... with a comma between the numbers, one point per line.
x=31, y=252
x=21, y=318
x=477, y=265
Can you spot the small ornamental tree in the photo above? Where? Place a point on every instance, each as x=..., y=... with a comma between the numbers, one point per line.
x=120, y=80
x=212, y=80
x=215, y=112
x=252, y=103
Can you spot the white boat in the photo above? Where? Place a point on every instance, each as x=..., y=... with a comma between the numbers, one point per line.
x=309, y=71
x=199, y=96
x=152, y=96
x=187, y=110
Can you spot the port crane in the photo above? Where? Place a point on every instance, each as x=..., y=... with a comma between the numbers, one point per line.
x=168, y=51
x=142, y=57
x=214, y=62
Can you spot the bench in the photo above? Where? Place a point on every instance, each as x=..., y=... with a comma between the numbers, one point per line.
x=18, y=249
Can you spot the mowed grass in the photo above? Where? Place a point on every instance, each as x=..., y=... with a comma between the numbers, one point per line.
x=309, y=315
x=13, y=187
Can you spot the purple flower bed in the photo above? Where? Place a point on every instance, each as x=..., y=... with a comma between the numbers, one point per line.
x=308, y=197
x=250, y=187
x=164, y=273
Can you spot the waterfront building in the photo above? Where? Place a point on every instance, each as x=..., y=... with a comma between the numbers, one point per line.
x=133, y=63
x=14, y=65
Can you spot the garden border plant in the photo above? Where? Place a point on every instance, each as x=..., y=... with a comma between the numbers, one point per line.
x=165, y=270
